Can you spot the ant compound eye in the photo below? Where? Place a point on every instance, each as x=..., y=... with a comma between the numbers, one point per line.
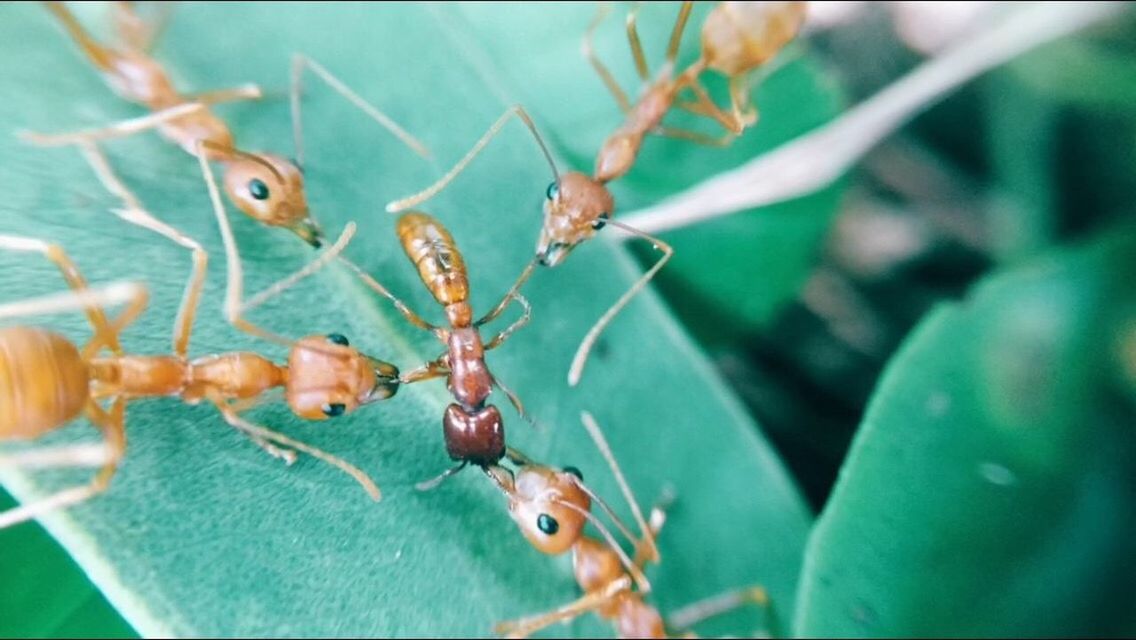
x=600, y=221
x=553, y=190
x=547, y=524
x=338, y=338
x=576, y=472
x=334, y=410
x=258, y=189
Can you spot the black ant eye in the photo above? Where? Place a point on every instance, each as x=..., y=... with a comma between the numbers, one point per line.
x=258, y=189
x=338, y=338
x=553, y=189
x=334, y=410
x=600, y=221
x=547, y=524
x=576, y=472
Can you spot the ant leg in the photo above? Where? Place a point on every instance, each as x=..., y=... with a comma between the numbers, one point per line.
x=636, y=46
x=261, y=436
x=525, y=627
x=581, y=357
x=735, y=122
x=694, y=136
x=434, y=369
x=118, y=129
x=240, y=406
x=301, y=61
x=655, y=521
x=135, y=213
x=427, y=485
x=104, y=296
x=79, y=455
x=55, y=253
x=231, y=94
x=518, y=458
x=516, y=402
x=512, y=293
x=111, y=425
x=589, y=52
x=501, y=337
x=134, y=31
x=411, y=317
x=741, y=102
x=676, y=33
x=434, y=189
x=696, y=612
x=99, y=55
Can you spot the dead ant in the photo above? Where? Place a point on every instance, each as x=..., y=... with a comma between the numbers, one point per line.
x=187, y=121
x=474, y=432
x=736, y=38
x=551, y=507
x=51, y=381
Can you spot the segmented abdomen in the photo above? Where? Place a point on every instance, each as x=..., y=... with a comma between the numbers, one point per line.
x=43, y=382
x=435, y=254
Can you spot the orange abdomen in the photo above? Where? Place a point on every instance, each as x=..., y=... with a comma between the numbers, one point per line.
x=740, y=36
x=43, y=382
x=434, y=253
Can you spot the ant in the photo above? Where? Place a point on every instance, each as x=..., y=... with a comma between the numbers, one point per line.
x=185, y=120
x=52, y=381
x=474, y=432
x=267, y=187
x=551, y=507
x=736, y=38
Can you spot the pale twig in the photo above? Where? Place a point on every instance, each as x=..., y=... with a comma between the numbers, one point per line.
x=813, y=161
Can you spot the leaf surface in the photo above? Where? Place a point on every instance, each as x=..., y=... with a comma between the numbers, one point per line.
x=201, y=533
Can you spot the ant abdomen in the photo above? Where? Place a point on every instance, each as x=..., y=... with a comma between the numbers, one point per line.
x=43, y=382
x=739, y=36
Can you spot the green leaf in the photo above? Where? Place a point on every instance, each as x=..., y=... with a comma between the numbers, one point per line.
x=43, y=593
x=1023, y=136
x=1083, y=73
x=728, y=276
x=990, y=490
x=201, y=533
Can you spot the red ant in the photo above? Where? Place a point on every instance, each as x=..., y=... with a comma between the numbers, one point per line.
x=267, y=187
x=50, y=381
x=551, y=507
x=473, y=430
x=736, y=38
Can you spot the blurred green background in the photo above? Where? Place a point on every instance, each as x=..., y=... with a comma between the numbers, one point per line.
x=981, y=260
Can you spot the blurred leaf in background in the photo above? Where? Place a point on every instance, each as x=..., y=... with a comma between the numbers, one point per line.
x=991, y=490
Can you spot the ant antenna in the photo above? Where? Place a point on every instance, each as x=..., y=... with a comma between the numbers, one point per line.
x=433, y=190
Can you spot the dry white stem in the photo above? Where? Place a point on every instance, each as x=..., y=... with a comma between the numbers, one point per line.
x=814, y=160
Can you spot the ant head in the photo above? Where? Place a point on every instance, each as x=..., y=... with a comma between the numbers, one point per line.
x=576, y=208
x=270, y=189
x=549, y=506
x=740, y=36
x=328, y=378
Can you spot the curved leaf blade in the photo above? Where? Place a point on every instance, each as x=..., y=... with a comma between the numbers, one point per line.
x=990, y=490
x=202, y=534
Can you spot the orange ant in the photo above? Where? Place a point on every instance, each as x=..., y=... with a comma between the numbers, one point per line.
x=551, y=507
x=474, y=432
x=267, y=187
x=736, y=38
x=51, y=382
